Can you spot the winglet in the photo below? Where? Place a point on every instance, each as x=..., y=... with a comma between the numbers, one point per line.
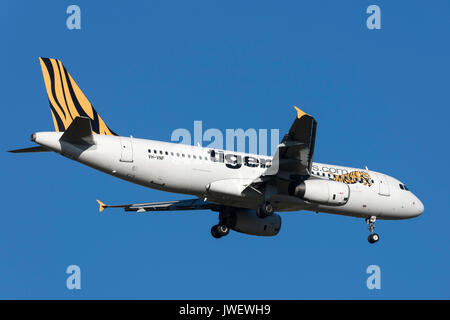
x=102, y=206
x=300, y=113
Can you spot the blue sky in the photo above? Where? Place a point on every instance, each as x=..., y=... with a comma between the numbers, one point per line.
x=381, y=99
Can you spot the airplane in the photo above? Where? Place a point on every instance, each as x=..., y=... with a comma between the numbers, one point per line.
x=245, y=189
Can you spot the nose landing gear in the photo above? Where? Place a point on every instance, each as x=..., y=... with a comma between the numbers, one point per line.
x=373, y=237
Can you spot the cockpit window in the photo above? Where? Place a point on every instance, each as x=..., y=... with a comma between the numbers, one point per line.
x=404, y=186
x=401, y=186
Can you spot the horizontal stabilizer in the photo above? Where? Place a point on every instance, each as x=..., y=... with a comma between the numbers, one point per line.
x=79, y=131
x=28, y=150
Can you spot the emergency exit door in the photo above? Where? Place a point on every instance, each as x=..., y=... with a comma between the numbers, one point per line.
x=126, y=151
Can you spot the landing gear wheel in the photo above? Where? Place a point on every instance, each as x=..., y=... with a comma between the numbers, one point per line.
x=219, y=230
x=265, y=210
x=214, y=232
x=260, y=213
x=373, y=238
x=222, y=230
x=268, y=209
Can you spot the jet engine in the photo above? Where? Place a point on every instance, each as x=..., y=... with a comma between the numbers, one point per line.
x=246, y=221
x=327, y=192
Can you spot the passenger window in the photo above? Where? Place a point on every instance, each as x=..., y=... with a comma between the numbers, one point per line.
x=178, y=154
x=182, y=155
x=160, y=151
x=155, y=151
x=194, y=157
x=200, y=157
x=171, y=153
x=167, y=153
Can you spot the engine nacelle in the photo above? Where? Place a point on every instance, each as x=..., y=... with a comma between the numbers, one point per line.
x=331, y=193
x=246, y=221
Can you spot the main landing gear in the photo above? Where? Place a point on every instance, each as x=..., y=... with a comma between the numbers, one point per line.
x=373, y=237
x=225, y=223
x=219, y=231
x=265, y=210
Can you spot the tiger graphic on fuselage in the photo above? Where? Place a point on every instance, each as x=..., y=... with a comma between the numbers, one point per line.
x=354, y=177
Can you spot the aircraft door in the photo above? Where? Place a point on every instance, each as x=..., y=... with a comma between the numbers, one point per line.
x=126, y=151
x=383, y=185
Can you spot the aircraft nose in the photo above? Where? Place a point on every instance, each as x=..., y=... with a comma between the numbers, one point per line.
x=412, y=207
x=418, y=205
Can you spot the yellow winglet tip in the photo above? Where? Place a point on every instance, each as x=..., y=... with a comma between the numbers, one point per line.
x=102, y=206
x=300, y=113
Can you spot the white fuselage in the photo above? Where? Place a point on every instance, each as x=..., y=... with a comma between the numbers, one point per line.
x=221, y=176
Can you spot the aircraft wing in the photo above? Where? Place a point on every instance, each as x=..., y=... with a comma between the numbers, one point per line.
x=294, y=156
x=191, y=204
